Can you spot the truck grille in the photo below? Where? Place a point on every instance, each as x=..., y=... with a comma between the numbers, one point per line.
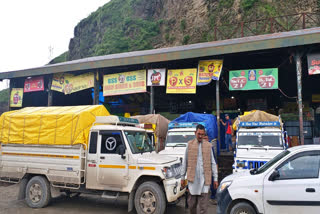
x=255, y=164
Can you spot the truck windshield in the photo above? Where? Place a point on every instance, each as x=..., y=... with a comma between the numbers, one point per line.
x=259, y=139
x=270, y=163
x=179, y=138
x=139, y=142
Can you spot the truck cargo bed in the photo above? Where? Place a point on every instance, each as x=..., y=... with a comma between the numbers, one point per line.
x=62, y=165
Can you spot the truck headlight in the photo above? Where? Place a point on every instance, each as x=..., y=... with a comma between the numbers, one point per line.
x=168, y=172
x=224, y=185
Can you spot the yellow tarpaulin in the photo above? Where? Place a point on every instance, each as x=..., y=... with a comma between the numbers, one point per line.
x=68, y=125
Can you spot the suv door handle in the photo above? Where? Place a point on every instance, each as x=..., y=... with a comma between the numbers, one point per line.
x=310, y=190
x=102, y=157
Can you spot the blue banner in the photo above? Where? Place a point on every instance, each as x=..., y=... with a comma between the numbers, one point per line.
x=260, y=124
x=173, y=125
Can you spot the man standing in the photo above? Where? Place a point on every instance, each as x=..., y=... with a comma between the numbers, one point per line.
x=228, y=138
x=199, y=165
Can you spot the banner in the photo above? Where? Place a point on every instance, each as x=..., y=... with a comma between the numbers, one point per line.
x=208, y=70
x=182, y=81
x=253, y=79
x=16, y=97
x=313, y=64
x=124, y=83
x=78, y=83
x=58, y=82
x=316, y=98
x=156, y=77
x=67, y=83
x=33, y=84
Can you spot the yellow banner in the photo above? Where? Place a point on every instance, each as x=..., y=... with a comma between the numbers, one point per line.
x=182, y=81
x=125, y=83
x=58, y=81
x=16, y=97
x=209, y=70
x=67, y=83
x=78, y=83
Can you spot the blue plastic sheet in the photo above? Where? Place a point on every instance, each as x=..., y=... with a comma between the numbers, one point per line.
x=209, y=119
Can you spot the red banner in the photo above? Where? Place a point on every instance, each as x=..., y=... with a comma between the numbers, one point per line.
x=33, y=84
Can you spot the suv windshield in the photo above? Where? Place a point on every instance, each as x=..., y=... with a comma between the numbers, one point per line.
x=260, y=139
x=139, y=142
x=270, y=163
x=179, y=138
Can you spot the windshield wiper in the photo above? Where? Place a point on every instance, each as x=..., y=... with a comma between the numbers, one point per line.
x=179, y=144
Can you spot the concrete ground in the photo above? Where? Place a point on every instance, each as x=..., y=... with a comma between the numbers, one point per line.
x=78, y=205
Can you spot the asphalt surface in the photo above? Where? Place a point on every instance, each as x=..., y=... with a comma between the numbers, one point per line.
x=77, y=205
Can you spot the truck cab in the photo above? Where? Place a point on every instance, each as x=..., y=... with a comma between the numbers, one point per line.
x=122, y=158
x=177, y=138
x=257, y=143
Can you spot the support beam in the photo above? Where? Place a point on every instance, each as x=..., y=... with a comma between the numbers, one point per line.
x=50, y=94
x=299, y=87
x=96, y=90
x=151, y=100
x=11, y=85
x=218, y=111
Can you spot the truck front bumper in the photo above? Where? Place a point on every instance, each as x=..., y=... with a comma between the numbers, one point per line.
x=173, y=189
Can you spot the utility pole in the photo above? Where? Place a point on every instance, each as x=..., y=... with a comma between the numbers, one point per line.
x=297, y=58
x=218, y=111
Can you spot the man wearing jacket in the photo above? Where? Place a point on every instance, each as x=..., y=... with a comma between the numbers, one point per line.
x=199, y=165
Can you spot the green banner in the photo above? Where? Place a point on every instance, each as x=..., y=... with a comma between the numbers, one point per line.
x=254, y=79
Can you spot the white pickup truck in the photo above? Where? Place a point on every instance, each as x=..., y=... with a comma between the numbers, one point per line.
x=177, y=138
x=119, y=160
x=257, y=143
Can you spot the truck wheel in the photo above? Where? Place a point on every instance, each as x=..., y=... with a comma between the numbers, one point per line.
x=150, y=198
x=38, y=192
x=242, y=208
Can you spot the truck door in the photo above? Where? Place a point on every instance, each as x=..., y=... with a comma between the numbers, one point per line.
x=112, y=168
x=92, y=157
x=297, y=188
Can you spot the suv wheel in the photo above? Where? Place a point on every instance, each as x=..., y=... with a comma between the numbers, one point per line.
x=150, y=199
x=242, y=208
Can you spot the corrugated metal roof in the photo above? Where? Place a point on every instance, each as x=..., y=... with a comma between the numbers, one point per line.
x=261, y=42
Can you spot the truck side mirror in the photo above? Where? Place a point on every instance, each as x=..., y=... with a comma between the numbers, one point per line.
x=275, y=175
x=122, y=151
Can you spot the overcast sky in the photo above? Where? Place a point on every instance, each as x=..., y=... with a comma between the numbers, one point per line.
x=29, y=28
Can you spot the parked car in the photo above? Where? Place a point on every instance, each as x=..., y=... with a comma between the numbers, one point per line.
x=288, y=183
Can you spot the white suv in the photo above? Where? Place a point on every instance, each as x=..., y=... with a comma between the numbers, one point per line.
x=288, y=183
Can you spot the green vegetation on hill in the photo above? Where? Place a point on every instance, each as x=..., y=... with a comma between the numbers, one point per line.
x=132, y=25
x=4, y=96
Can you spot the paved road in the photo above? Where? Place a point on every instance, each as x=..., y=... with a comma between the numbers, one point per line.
x=79, y=205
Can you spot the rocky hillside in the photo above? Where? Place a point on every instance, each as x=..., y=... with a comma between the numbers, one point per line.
x=130, y=25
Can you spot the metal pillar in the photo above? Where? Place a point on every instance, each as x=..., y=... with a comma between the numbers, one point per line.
x=96, y=90
x=11, y=85
x=151, y=99
x=218, y=111
x=50, y=91
x=299, y=87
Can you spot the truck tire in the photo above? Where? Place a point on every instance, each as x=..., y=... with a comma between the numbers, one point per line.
x=38, y=193
x=150, y=198
x=242, y=208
